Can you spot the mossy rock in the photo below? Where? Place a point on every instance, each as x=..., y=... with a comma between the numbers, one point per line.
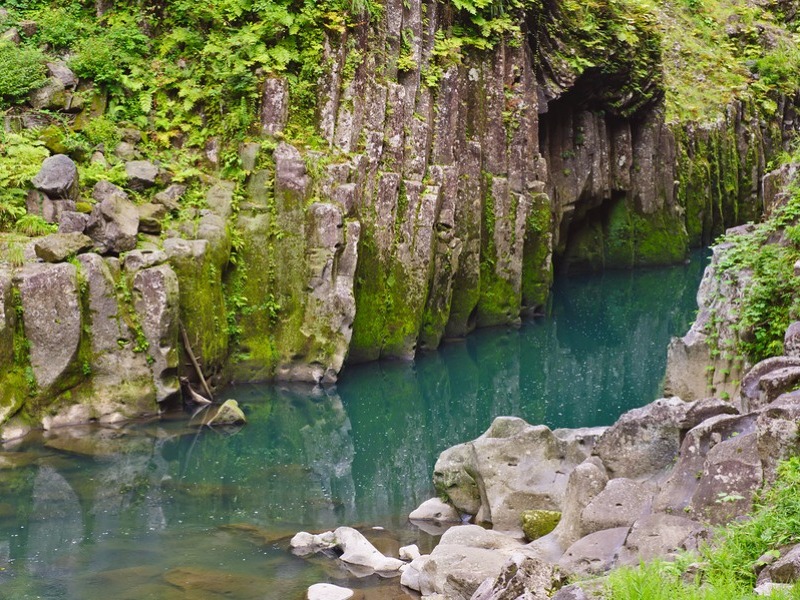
x=537, y=523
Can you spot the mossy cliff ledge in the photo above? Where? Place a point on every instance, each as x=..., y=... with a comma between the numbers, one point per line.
x=416, y=174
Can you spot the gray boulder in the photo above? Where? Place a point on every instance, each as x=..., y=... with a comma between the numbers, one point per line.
x=791, y=340
x=620, y=504
x=659, y=535
x=52, y=95
x=170, y=197
x=142, y=259
x=114, y=221
x=570, y=592
x=766, y=380
x=594, y=554
x=645, y=441
x=57, y=247
x=150, y=216
x=522, y=578
x=786, y=569
x=71, y=221
x=220, y=198
x=435, y=510
x=38, y=203
x=52, y=319
x=59, y=70
x=586, y=481
x=142, y=174
x=464, y=558
x=512, y=467
x=11, y=35
x=777, y=431
x=57, y=178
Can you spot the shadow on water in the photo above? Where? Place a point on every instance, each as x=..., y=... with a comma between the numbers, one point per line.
x=158, y=510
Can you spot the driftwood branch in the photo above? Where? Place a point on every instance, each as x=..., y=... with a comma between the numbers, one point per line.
x=192, y=357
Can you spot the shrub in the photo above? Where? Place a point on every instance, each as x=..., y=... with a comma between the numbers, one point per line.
x=21, y=70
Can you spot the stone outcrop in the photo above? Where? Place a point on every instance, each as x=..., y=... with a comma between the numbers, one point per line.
x=656, y=481
x=510, y=468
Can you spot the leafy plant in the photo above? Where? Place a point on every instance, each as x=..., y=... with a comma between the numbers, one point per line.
x=21, y=70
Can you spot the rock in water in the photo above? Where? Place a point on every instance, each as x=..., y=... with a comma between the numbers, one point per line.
x=327, y=591
x=435, y=510
x=58, y=177
x=228, y=413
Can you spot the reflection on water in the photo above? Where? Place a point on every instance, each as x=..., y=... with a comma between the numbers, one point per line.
x=159, y=510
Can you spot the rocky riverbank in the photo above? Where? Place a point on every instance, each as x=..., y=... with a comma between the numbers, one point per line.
x=572, y=504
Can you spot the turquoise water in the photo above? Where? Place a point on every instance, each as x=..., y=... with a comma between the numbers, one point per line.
x=162, y=510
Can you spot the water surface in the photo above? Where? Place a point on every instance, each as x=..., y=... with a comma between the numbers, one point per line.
x=162, y=510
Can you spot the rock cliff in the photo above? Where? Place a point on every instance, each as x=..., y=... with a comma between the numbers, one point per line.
x=447, y=181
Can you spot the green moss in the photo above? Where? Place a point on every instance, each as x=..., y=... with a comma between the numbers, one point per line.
x=537, y=523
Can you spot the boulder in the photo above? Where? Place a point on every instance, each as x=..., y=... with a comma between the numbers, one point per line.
x=620, y=503
x=676, y=491
x=570, y=592
x=248, y=155
x=409, y=552
x=28, y=27
x=59, y=70
x=142, y=174
x=114, y=221
x=72, y=221
x=37, y=203
x=150, y=216
x=586, y=481
x=142, y=259
x=57, y=247
x=122, y=382
x=228, y=413
x=304, y=543
x=787, y=568
x=357, y=550
x=645, y=441
x=11, y=35
x=777, y=431
x=522, y=577
x=512, y=467
x=52, y=318
x=51, y=95
x=155, y=296
x=465, y=557
x=170, y=197
x=659, y=535
x=791, y=340
x=731, y=475
x=126, y=151
x=435, y=510
x=327, y=591
x=291, y=177
x=594, y=554
x=8, y=318
x=57, y=178
x=777, y=374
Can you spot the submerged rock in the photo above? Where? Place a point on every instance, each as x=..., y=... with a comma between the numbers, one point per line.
x=327, y=591
x=354, y=547
x=435, y=510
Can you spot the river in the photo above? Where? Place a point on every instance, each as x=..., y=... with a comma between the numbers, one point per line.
x=159, y=509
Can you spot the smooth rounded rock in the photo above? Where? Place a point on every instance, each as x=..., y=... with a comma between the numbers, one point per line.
x=327, y=591
x=58, y=177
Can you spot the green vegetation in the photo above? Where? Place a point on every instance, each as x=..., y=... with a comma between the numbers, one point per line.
x=770, y=301
x=21, y=70
x=726, y=569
